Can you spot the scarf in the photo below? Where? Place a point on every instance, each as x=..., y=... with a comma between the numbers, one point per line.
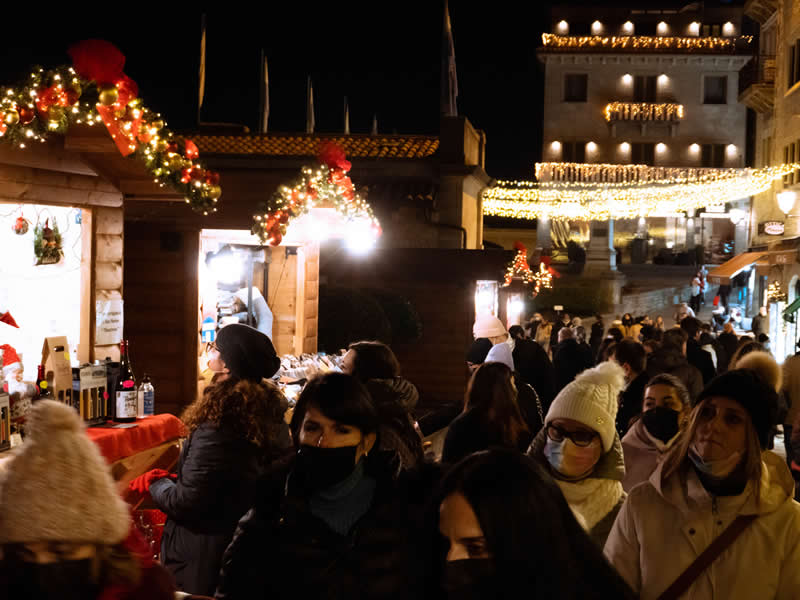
x=591, y=499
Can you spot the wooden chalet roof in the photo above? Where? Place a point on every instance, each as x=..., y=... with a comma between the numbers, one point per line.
x=355, y=146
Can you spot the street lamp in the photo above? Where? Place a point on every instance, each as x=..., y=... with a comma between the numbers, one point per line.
x=786, y=201
x=736, y=215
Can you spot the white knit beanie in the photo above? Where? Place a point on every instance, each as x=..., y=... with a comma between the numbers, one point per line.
x=592, y=399
x=487, y=326
x=501, y=353
x=58, y=487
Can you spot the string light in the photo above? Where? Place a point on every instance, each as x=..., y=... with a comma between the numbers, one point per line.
x=775, y=293
x=643, y=111
x=635, y=43
x=519, y=269
x=601, y=192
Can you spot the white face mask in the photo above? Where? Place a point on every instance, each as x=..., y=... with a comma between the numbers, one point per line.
x=719, y=468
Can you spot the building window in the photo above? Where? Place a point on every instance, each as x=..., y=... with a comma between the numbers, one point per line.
x=575, y=87
x=645, y=88
x=574, y=152
x=715, y=89
x=713, y=156
x=712, y=29
x=643, y=153
x=794, y=64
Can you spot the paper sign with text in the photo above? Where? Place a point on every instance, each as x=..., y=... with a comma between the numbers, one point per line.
x=108, y=322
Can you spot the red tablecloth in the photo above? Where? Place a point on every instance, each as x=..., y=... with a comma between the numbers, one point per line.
x=149, y=432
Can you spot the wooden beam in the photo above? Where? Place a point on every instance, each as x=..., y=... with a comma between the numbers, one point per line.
x=102, y=144
x=47, y=156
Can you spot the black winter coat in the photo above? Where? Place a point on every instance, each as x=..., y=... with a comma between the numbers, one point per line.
x=729, y=342
x=281, y=550
x=673, y=362
x=217, y=474
x=570, y=359
x=700, y=359
x=630, y=403
x=535, y=368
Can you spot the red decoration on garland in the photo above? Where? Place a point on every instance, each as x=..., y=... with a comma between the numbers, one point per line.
x=128, y=90
x=26, y=114
x=190, y=150
x=97, y=60
x=333, y=155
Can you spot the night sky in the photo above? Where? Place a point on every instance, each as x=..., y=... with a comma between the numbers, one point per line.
x=385, y=57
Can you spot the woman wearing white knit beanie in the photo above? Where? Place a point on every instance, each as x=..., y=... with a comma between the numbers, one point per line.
x=580, y=447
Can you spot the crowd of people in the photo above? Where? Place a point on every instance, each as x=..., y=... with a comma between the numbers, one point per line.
x=632, y=465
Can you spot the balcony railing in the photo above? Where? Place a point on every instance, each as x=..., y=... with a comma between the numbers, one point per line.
x=643, y=111
x=644, y=43
x=759, y=70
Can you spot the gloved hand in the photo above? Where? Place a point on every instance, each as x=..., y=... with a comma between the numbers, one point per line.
x=142, y=483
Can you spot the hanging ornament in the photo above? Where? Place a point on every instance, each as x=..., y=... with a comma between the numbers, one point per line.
x=108, y=95
x=26, y=114
x=20, y=226
x=47, y=244
x=186, y=175
x=175, y=162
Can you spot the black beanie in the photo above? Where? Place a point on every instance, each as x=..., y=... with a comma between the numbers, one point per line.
x=478, y=351
x=248, y=353
x=757, y=397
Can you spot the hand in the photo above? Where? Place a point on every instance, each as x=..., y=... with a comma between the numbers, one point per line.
x=142, y=483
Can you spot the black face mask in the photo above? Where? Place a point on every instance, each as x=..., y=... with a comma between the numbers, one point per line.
x=67, y=579
x=469, y=578
x=661, y=422
x=321, y=468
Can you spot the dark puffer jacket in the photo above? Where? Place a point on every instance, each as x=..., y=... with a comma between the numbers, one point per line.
x=281, y=550
x=672, y=361
x=217, y=474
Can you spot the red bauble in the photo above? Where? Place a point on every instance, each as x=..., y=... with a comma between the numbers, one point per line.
x=20, y=226
x=212, y=178
x=275, y=238
x=199, y=174
x=191, y=151
x=186, y=175
x=73, y=95
x=26, y=114
x=283, y=218
x=172, y=147
x=128, y=90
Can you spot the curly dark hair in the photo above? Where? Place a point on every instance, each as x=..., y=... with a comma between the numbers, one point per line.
x=251, y=410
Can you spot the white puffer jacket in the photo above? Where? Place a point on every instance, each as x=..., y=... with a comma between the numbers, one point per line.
x=665, y=524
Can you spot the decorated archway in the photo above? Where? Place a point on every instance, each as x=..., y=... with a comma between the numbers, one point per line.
x=322, y=203
x=94, y=91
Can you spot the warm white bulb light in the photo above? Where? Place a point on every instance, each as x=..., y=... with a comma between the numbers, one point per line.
x=786, y=201
x=661, y=147
x=694, y=28
x=627, y=79
x=625, y=147
x=597, y=28
x=562, y=27
x=591, y=147
x=694, y=148
x=627, y=27
x=728, y=29
x=730, y=149
x=663, y=79
x=662, y=28
x=555, y=146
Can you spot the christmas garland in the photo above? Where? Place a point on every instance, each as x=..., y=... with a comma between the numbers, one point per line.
x=518, y=268
x=93, y=91
x=325, y=185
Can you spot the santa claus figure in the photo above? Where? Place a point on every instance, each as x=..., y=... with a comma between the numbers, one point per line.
x=21, y=393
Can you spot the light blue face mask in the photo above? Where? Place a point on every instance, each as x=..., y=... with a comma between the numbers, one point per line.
x=717, y=469
x=569, y=460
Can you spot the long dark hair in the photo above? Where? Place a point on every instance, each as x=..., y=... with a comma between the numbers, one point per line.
x=253, y=411
x=490, y=392
x=533, y=539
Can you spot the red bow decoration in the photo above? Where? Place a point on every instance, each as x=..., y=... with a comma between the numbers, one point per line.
x=97, y=60
x=128, y=90
x=124, y=135
x=333, y=155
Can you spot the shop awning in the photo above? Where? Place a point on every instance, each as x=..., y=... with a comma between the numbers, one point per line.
x=730, y=269
x=792, y=308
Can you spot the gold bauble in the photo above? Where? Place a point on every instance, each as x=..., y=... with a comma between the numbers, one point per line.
x=11, y=117
x=161, y=145
x=135, y=103
x=175, y=163
x=55, y=114
x=214, y=192
x=108, y=96
x=158, y=124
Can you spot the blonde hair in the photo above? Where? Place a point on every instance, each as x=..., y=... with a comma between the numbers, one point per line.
x=764, y=365
x=676, y=457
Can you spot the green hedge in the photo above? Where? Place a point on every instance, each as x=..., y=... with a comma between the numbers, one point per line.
x=577, y=298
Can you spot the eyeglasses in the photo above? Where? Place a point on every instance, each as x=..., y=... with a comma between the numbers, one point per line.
x=211, y=346
x=579, y=438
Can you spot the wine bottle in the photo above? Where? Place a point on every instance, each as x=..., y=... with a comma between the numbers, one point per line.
x=148, y=396
x=41, y=383
x=125, y=391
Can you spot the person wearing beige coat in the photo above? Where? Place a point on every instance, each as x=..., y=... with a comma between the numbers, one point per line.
x=715, y=473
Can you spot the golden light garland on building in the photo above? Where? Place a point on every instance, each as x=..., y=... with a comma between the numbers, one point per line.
x=643, y=111
x=683, y=191
x=775, y=293
x=638, y=43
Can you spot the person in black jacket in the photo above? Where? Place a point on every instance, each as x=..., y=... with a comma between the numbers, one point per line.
x=334, y=520
x=694, y=353
x=631, y=356
x=491, y=417
x=729, y=342
x=237, y=428
x=569, y=359
x=533, y=365
x=596, y=337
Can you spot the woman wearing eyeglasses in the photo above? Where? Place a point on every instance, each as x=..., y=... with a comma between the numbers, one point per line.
x=580, y=447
